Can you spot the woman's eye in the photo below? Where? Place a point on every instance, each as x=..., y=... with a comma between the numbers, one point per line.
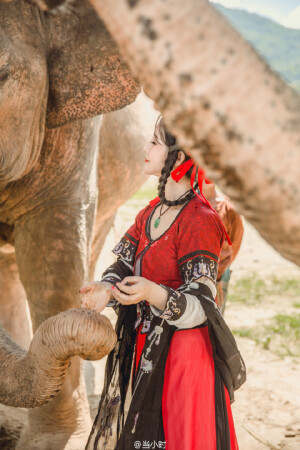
x=152, y=142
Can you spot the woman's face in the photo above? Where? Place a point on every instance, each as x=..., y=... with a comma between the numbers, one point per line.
x=155, y=155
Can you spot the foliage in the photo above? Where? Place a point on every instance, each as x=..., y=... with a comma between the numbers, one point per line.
x=280, y=333
x=252, y=288
x=280, y=46
x=145, y=193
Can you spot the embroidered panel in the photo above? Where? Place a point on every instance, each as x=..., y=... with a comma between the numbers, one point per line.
x=176, y=304
x=126, y=249
x=198, y=264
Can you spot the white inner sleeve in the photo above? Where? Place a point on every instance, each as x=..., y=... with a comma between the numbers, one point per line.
x=194, y=314
x=209, y=283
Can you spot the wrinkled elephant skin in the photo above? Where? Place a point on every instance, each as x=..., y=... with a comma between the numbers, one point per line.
x=56, y=73
x=31, y=379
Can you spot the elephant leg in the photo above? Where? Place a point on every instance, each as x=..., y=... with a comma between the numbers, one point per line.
x=13, y=304
x=52, y=250
x=101, y=230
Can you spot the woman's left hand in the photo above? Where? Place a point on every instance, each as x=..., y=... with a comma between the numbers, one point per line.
x=136, y=289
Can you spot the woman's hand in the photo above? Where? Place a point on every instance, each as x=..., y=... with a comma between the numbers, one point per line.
x=135, y=290
x=96, y=295
x=138, y=289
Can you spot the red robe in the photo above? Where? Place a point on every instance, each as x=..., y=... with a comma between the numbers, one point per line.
x=188, y=249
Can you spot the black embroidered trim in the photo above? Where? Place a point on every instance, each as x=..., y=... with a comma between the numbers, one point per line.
x=197, y=253
x=131, y=238
x=192, y=269
x=176, y=304
x=126, y=248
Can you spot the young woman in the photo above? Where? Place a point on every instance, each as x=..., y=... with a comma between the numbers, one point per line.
x=165, y=380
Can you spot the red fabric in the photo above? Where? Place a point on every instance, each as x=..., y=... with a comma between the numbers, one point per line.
x=139, y=345
x=154, y=201
x=196, y=228
x=233, y=439
x=180, y=171
x=188, y=401
x=188, y=396
x=136, y=229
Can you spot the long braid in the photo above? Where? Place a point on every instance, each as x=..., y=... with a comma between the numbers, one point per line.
x=165, y=173
x=161, y=133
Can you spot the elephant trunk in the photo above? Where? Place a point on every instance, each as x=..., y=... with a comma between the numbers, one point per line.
x=32, y=379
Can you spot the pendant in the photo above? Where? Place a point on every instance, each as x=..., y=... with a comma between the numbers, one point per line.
x=156, y=223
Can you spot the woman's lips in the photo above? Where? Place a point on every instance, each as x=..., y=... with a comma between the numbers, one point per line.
x=146, y=160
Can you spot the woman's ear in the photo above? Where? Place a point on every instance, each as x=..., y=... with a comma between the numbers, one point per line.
x=180, y=157
x=86, y=74
x=179, y=160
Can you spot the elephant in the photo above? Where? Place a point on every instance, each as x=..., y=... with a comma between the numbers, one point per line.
x=30, y=379
x=58, y=72
x=234, y=115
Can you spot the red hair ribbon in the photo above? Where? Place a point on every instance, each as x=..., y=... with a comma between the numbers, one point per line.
x=181, y=170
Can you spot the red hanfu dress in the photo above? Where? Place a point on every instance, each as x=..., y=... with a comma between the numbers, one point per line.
x=187, y=251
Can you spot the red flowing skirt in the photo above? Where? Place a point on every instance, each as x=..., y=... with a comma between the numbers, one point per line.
x=188, y=401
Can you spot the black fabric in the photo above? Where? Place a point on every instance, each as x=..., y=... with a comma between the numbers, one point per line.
x=197, y=253
x=126, y=248
x=144, y=419
x=221, y=417
x=114, y=274
x=119, y=358
x=119, y=268
x=227, y=358
x=198, y=266
x=175, y=306
x=204, y=324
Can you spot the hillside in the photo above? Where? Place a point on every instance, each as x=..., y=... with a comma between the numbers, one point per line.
x=280, y=46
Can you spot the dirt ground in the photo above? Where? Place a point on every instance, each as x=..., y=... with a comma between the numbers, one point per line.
x=267, y=408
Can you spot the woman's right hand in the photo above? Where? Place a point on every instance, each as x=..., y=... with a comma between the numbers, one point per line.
x=96, y=295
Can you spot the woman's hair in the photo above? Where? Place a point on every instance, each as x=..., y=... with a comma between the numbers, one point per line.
x=162, y=134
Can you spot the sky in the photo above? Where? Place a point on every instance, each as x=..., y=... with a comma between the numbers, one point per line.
x=285, y=12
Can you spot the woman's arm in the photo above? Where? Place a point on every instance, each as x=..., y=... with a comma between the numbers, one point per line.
x=181, y=308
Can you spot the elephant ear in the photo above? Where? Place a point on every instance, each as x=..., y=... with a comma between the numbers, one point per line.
x=87, y=77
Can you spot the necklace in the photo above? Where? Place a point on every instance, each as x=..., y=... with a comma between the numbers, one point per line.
x=157, y=221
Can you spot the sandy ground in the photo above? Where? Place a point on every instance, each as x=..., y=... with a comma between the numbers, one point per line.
x=267, y=408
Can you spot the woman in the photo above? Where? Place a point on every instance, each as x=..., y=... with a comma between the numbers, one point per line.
x=164, y=381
